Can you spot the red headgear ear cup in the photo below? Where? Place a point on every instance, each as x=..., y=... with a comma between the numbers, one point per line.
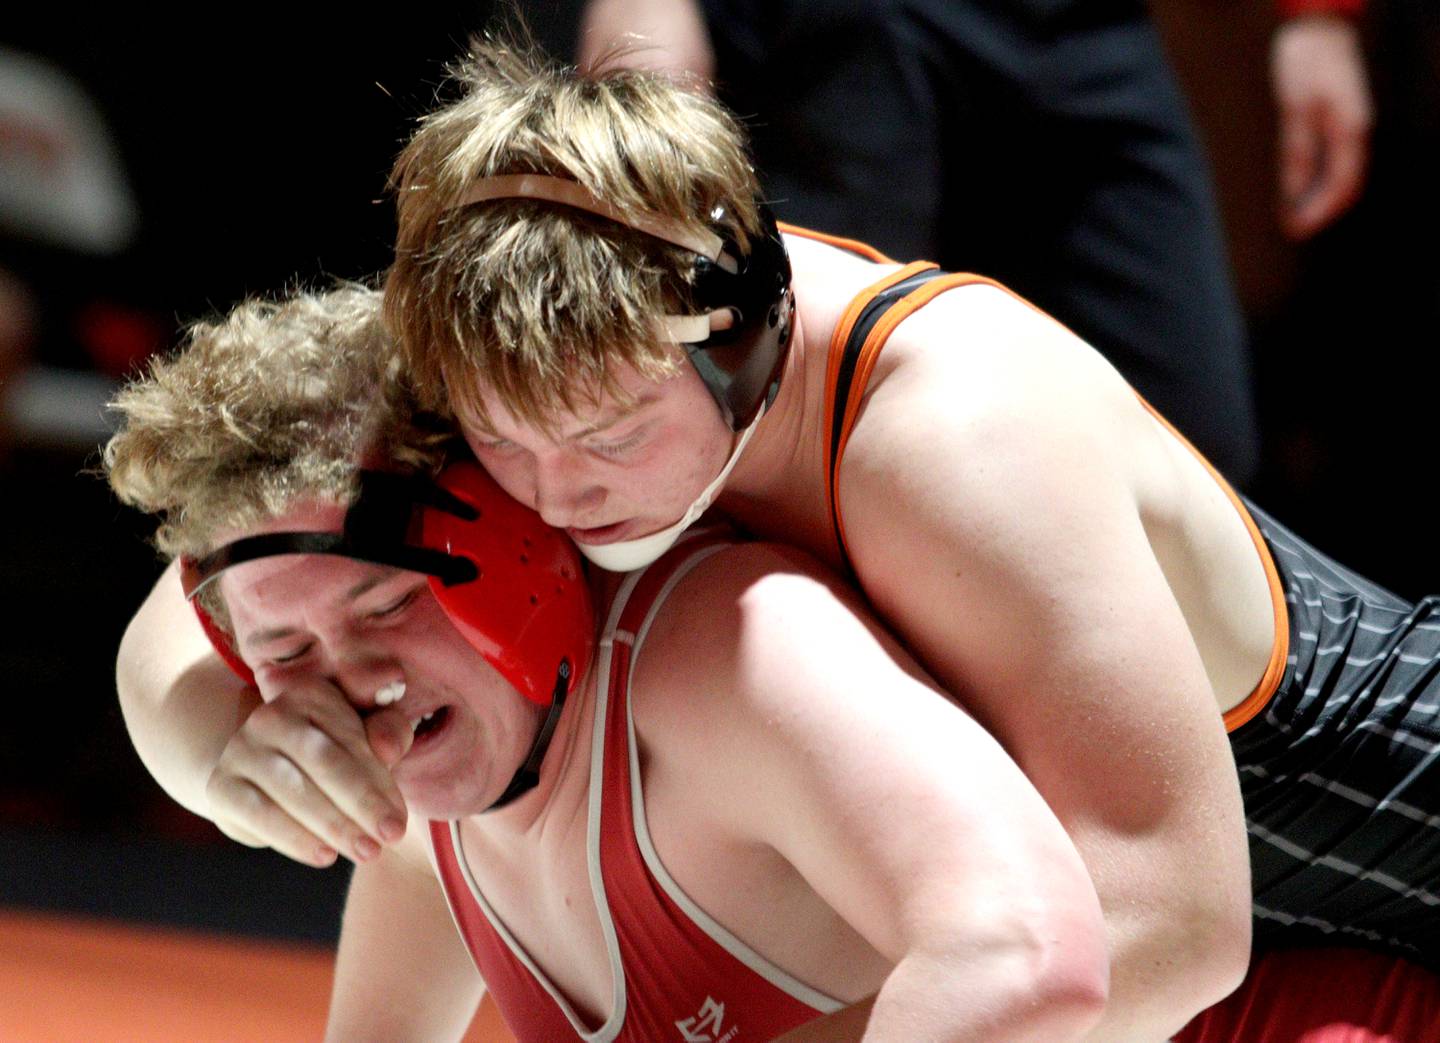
x=220, y=641
x=529, y=610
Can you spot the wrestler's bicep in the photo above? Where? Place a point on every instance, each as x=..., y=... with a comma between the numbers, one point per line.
x=990, y=507
x=1002, y=541
x=181, y=703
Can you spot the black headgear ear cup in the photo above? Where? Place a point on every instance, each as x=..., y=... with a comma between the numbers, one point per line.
x=741, y=365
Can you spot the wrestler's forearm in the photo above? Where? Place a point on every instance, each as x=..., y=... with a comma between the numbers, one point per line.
x=930, y=1016
x=1172, y=954
x=180, y=702
x=1127, y=1018
x=401, y=971
x=988, y=996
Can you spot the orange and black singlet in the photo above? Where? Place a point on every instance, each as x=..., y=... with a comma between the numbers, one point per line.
x=1338, y=746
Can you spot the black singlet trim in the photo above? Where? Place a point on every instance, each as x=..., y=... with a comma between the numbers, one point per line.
x=869, y=316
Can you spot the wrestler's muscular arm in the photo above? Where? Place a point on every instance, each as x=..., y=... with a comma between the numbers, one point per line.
x=181, y=702
x=770, y=707
x=297, y=774
x=1023, y=579
x=402, y=972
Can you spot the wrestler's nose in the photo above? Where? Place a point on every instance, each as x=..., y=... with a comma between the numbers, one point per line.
x=565, y=494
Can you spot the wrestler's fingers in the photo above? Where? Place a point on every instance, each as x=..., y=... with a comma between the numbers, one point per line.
x=327, y=740
x=313, y=780
x=300, y=847
x=391, y=734
x=246, y=814
x=241, y=835
x=278, y=762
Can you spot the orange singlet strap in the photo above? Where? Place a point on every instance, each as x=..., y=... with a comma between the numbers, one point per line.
x=845, y=346
x=853, y=353
x=855, y=246
x=1269, y=682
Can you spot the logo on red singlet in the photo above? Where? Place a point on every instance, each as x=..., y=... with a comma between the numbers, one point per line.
x=707, y=1026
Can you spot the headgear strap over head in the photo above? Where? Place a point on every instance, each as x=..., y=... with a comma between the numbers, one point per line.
x=574, y=194
x=738, y=344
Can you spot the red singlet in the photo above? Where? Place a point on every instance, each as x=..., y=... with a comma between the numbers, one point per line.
x=679, y=976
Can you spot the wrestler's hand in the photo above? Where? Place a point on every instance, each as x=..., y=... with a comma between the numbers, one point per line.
x=307, y=776
x=1323, y=104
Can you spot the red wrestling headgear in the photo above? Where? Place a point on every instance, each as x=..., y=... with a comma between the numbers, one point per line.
x=528, y=609
x=511, y=584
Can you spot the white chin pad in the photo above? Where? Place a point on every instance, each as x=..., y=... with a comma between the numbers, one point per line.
x=629, y=555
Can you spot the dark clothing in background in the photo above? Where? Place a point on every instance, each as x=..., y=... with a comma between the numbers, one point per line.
x=1042, y=143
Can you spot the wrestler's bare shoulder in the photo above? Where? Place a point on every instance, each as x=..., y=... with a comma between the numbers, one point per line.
x=980, y=347
x=1015, y=407
x=725, y=651
x=715, y=621
x=760, y=659
x=827, y=278
x=992, y=365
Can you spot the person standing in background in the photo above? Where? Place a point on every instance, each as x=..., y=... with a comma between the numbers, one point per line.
x=1043, y=143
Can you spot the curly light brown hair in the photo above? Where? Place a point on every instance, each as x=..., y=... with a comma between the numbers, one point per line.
x=540, y=301
x=279, y=402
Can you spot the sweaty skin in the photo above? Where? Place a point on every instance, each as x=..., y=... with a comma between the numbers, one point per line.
x=1060, y=563
x=898, y=850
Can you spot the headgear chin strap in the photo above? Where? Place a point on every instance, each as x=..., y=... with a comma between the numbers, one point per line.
x=739, y=341
x=511, y=585
x=629, y=555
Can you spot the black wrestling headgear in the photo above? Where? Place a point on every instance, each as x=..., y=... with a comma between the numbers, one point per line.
x=739, y=340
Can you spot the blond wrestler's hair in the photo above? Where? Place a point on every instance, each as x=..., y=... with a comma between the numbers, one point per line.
x=541, y=301
x=280, y=402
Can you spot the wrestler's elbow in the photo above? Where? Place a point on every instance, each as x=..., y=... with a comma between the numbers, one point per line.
x=1041, y=989
x=1068, y=974
x=1210, y=944
x=1189, y=952
x=1056, y=948
x=1039, y=972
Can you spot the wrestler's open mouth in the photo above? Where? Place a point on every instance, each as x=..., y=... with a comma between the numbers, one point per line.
x=431, y=723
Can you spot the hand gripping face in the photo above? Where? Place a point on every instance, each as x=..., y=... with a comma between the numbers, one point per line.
x=511, y=585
